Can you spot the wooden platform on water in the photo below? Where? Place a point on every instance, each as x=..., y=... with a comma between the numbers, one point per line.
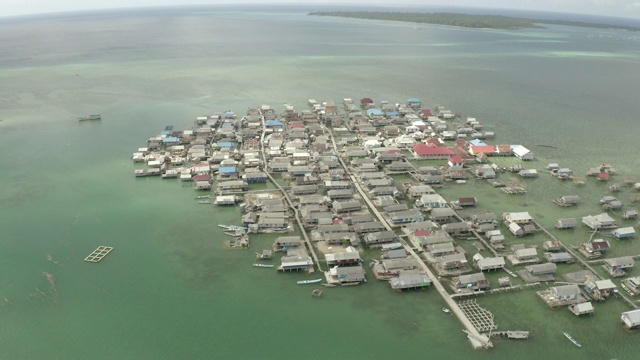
x=514, y=190
x=482, y=319
x=98, y=254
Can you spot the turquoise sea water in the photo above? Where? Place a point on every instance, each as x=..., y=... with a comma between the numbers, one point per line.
x=170, y=290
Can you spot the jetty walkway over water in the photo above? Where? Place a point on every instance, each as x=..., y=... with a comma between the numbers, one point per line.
x=477, y=340
x=287, y=197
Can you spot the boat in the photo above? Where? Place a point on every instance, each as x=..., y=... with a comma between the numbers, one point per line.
x=232, y=227
x=312, y=281
x=512, y=334
x=203, y=197
x=631, y=293
x=316, y=292
x=446, y=310
x=263, y=265
x=509, y=272
x=280, y=230
x=205, y=202
x=576, y=343
x=90, y=117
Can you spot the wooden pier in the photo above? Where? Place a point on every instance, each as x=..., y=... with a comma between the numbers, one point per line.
x=496, y=290
x=98, y=254
x=509, y=272
x=514, y=190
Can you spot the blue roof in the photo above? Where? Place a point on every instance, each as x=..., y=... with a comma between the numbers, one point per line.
x=229, y=115
x=393, y=113
x=375, y=112
x=477, y=142
x=171, y=140
x=227, y=124
x=413, y=100
x=273, y=123
x=165, y=132
x=226, y=144
x=227, y=169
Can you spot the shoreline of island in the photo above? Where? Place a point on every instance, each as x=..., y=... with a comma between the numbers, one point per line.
x=495, y=22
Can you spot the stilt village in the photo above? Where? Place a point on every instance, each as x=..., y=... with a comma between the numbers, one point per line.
x=353, y=193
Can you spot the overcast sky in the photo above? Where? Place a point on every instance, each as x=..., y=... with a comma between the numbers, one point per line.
x=621, y=8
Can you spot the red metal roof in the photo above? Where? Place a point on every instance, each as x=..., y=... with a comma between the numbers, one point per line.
x=366, y=101
x=487, y=149
x=422, y=233
x=460, y=151
x=462, y=143
x=422, y=149
x=202, y=177
x=426, y=112
x=456, y=159
x=434, y=141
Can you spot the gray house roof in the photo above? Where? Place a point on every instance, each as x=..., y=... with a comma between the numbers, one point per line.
x=440, y=213
x=491, y=263
x=346, y=205
x=440, y=248
x=471, y=278
x=333, y=228
x=621, y=262
x=631, y=318
x=399, y=264
x=380, y=236
x=348, y=273
x=410, y=280
x=566, y=290
x=537, y=269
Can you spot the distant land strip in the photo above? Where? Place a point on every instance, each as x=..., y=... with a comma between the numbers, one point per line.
x=466, y=20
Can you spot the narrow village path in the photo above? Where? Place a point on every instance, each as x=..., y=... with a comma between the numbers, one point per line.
x=477, y=340
x=287, y=198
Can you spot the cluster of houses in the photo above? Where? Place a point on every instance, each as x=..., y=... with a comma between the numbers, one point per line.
x=220, y=149
x=334, y=162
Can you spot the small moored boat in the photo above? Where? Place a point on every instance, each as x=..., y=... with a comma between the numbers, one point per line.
x=263, y=265
x=574, y=341
x=232, y=227
x=90, y=117
x=312, y=281
x=446, y=310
